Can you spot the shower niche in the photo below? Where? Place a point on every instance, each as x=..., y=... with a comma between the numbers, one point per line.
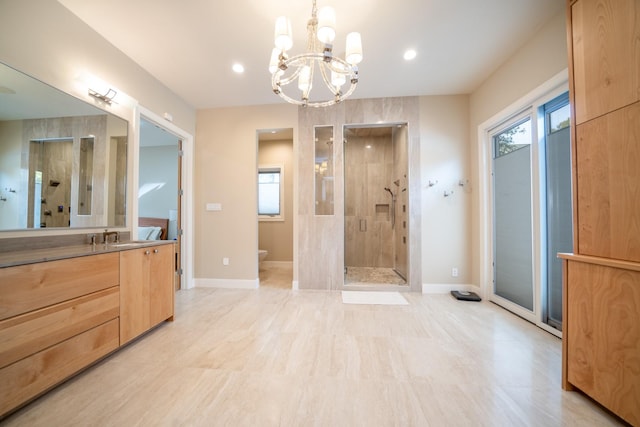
x=375, y=204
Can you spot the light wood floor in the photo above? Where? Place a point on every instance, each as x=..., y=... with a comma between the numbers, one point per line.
x=274, y=357
x=274, y=275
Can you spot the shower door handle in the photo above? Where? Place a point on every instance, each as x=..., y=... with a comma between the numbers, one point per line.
x=363, y=225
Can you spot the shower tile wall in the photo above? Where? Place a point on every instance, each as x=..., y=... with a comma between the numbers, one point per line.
x=368, y=231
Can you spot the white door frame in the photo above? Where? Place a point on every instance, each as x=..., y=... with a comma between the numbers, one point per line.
x=552, y=88
x=186, y=207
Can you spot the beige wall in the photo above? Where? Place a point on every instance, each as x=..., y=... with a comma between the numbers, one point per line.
x=225, y=173
x=276, y=237
x=444, y=136
x=544, y=56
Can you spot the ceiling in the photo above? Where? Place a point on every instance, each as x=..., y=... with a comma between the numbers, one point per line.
x=190, y=46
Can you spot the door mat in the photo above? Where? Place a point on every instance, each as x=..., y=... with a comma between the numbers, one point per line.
x=372, y=297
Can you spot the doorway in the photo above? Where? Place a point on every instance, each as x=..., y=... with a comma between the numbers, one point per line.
x=184, y=222
x=275, y=216
x=376, y=195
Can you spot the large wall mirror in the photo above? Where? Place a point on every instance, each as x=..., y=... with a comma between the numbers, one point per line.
x=63, y=161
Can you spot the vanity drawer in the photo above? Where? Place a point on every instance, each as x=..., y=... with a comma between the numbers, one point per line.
x=29, y=333
x=30, y=377
x=31, y=287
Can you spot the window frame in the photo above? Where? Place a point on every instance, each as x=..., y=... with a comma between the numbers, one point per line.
x=279, y=168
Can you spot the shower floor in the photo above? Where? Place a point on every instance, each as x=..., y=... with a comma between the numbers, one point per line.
x=372, y=276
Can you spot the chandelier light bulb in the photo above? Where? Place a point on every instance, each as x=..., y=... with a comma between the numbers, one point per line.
x=304, y=79
x=273, y=62
x=338, y=79
x=354, y=48
x=326, y=25
x=283, y=37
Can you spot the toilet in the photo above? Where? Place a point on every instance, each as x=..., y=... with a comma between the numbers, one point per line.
x=262, y=254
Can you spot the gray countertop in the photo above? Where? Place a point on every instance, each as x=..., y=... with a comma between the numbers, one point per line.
x=32, y=256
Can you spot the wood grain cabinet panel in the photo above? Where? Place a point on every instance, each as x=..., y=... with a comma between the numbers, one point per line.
x=603, y=336
x=29, y=333
x=606, y=57
x=162, y=291
x=608, y=185
x=32, y=376
x=146, y=289
x=30, y=287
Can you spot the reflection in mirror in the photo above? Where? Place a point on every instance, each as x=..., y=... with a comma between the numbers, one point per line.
x=323, y=137
x=49, y=192
x=62, y=160
x=86, y=176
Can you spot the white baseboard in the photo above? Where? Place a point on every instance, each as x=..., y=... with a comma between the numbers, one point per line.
x=227, y=283
x=437, y=288
x=277, y=263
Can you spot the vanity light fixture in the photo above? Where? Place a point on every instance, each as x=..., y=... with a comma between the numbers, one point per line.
x=103, y=91
x=107, y=97
x=319, y=56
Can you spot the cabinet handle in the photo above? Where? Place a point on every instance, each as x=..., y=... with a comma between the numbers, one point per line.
x=147, y=252
x=155, y=251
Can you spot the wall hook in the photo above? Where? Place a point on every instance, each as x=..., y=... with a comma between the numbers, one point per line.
x=448, y=193
x=432, y=183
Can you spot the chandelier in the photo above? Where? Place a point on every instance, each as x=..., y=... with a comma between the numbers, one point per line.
x=319, y=57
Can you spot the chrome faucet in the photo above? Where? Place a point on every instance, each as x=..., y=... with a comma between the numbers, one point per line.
x=106, y=234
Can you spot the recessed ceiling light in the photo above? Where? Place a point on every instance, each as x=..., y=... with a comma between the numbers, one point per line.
x=410, y=54
x=238, y=68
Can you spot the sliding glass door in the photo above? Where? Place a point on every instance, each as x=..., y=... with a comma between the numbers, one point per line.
x=532, y=214
x=513, y=256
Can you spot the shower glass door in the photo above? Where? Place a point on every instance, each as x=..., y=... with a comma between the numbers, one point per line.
x=376, y=210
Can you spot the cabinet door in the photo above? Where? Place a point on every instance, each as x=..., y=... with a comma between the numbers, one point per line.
x=606, y=58
x=161, y=292
x=608, y=194
x=603, y=336
x=134, y=293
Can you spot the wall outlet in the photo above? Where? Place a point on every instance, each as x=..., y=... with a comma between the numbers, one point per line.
x=454, y=272
x=225, y=261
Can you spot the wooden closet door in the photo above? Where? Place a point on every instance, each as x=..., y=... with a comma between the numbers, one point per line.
x=608, y=185
x=606, y=58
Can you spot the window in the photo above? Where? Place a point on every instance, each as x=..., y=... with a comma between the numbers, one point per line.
x=513, y=138
x=270, y=192
x=559, y=118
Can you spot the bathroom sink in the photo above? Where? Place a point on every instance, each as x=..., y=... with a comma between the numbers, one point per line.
x=125, y=244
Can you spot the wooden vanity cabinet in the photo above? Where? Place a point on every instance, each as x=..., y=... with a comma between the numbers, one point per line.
x=56, y=318
x=146, y=289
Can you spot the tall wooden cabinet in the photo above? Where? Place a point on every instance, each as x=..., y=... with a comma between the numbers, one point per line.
x=601, y=346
